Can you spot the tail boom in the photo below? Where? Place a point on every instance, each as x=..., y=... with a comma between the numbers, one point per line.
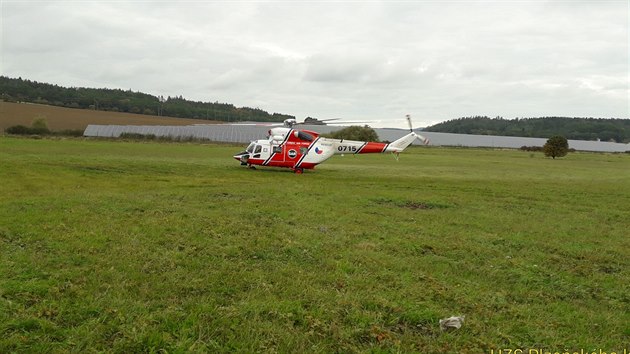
x=362, y=147
x=402, y=143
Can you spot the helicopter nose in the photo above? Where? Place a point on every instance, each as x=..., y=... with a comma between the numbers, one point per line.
x=242, y=157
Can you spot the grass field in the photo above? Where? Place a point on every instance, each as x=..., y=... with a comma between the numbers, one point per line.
x=60, y=118
x=112, y=246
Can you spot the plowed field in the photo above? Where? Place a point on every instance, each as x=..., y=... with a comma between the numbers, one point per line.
x=60, y=118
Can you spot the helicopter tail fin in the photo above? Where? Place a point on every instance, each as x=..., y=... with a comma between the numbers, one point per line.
x=402, y=143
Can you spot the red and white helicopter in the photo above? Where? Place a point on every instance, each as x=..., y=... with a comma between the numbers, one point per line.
x=304, y=149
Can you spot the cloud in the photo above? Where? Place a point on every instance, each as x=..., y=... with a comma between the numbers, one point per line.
x=381, y=60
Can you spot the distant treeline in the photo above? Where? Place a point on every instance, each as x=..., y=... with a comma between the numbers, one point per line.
x=116, y=100
x=615, y=130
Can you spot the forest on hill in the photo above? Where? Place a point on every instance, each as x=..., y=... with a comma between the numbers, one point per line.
x=604, y=129
x=117, y=100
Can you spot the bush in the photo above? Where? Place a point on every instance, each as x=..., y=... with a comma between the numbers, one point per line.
x=70, y=132
x=18, y=130
x=38, y=127
x=23, y=130
x=137, y=136
x=40, y=131
x=532, y=148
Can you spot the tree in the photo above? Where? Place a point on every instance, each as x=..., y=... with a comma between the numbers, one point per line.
x=355, y=133
x=39, y=126
x=556, y=146
x=39, y=123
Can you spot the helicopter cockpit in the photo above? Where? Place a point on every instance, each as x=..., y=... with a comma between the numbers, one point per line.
x=254, y=149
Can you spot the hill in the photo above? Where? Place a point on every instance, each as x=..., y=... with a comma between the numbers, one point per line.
x=60, y=118
x=614, y=130
x=117, y=100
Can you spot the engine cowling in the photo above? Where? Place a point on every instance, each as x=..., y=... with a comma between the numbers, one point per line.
x=277, y=137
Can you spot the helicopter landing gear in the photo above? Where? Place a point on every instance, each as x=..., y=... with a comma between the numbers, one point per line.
x=298, y=171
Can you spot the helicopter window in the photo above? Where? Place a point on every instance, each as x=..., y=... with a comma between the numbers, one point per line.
x=303, y=150
x=250, y=148
x=277, y=149
x=258, y=149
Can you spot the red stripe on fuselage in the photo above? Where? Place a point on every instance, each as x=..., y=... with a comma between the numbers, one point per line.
x=372, y=148
x=255, y=161
x=287, y=164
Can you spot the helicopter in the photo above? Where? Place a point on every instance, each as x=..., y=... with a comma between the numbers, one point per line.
x=304, y=149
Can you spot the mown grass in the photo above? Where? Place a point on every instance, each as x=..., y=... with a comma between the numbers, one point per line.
x=165, y=247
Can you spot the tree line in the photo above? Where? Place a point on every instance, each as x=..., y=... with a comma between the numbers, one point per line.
x=117, y=100
x=613, y=129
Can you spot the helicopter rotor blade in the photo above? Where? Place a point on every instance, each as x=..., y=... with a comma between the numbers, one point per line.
x=328, y=119
x=266, y=124
x=424, y=139
x=409, y=122
x=335, y=121
x=352, y=122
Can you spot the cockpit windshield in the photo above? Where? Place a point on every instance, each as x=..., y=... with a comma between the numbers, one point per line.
x=250, y=148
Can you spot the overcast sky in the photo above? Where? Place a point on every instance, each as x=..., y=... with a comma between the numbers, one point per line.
x=435, y=60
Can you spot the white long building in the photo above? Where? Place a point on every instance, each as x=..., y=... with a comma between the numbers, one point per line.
x=246, y=133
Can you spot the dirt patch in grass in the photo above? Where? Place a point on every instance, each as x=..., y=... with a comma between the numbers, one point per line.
x=410, y=204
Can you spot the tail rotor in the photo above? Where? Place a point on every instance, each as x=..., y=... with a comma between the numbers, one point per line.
x=424, y=140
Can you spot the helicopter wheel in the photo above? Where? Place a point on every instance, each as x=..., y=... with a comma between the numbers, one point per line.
x=298, y=171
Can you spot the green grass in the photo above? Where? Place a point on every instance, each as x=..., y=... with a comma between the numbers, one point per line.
x=165, y=247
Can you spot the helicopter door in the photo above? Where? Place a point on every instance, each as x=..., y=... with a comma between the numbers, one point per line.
x=277, y=150
x=261, y=151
